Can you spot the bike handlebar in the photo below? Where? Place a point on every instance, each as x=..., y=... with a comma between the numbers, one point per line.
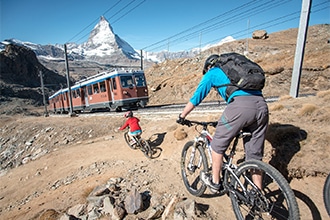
x=189, y=123
x=203, y=123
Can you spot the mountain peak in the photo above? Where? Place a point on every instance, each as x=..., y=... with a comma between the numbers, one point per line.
x=102, y=33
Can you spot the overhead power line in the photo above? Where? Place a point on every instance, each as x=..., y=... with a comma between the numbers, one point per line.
x=226, y=19
x=122, y=9
x=236, y=16
x=270, y=23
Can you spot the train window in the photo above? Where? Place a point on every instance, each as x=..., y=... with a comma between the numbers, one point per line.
x=89, y=89
x=114, y=85
x=126, y=81
x=74, y=94
x=96, y=88
x=140, y=80
x=78, y=92
x=102, y=87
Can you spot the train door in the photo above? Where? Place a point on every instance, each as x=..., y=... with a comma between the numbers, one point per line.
x=84, y=89
x=141, y=89
x=112, y=86
x=114, y=103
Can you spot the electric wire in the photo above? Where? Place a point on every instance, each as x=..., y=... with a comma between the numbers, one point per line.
x=268, y=24
x=115, y=14
x=237, y=16
x=93, y=22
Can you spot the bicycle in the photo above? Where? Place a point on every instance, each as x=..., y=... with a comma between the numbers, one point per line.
x=138, y=143
x=326, y=194
x=275, y=201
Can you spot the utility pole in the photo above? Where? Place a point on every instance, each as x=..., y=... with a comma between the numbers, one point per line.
x=200, y=44
x=43, y=93
x=141, y=52
x=247, y=39
x=68, y=81
x=300, y=47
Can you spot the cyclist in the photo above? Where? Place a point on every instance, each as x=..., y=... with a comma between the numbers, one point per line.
x=133, y=124
x=246, y=110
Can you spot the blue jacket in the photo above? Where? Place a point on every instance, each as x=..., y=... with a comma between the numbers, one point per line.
x=216, y=77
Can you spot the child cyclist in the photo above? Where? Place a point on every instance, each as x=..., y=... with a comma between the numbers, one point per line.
x=133, y=124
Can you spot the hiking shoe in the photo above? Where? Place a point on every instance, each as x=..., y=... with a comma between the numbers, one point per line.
x=207, y=179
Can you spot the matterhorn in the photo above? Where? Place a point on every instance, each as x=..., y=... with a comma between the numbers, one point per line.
x=105, y=47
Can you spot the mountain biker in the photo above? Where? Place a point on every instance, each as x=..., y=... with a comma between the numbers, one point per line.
x=246, y=110
x=133, y=124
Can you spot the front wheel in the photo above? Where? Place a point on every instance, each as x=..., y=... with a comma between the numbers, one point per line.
x=275, y=201
x=128, y=140
x=326, y=194
x=193, y=161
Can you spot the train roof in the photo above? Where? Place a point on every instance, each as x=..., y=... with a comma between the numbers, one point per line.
x=97, y=78
x=105, y=75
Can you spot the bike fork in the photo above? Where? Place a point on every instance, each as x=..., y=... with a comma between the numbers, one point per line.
x=191, y=166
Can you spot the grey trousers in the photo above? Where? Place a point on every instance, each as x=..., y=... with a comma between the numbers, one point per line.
x=247, y=113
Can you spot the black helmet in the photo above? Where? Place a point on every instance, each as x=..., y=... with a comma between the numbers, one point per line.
x=210, y=62
x=128, y=114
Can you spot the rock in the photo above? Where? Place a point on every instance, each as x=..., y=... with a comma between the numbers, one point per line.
x=133, y=202
x=100, y=190
x=50, y=214
x=77, y=210
x=156, y=212
x=180, y=134
x=185, y=209
x=259, y=34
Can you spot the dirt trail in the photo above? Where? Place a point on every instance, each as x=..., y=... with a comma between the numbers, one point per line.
x=65, y=176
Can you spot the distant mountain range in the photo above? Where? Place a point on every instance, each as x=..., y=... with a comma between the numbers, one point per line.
x=103, y=46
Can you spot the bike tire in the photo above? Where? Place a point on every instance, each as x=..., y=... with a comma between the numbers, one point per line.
x=326, y=194
x=128, y=140
x=145, y=148
x=275, y=201
x=190, y=177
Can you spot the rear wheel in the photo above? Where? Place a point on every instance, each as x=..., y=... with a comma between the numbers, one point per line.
x=193, y=161
x=275, y=201
x=145, y=148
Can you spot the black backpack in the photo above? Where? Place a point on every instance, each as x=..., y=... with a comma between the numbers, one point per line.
x=242, y=72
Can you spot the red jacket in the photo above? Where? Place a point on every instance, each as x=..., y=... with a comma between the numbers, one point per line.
x=132, y=123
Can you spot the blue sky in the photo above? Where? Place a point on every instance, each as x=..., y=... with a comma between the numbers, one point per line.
x=152, y=25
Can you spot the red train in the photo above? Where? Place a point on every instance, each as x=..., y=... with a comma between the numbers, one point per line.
x=108, y=90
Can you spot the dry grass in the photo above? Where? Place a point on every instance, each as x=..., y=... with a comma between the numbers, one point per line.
x=307, y=109
x=284, y=97
x=323, y=94
x=276, y=107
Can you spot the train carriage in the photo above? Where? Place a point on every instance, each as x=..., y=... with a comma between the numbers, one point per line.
x=108, y=90
x=59, y=101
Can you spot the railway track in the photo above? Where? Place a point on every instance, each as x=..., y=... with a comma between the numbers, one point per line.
x=204, y=107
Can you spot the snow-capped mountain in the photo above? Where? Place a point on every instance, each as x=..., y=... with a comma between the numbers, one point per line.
x=102, y=46
x=103, y=42
x=105, y=47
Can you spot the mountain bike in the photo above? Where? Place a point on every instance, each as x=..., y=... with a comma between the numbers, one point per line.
x=139, y=143
x=326, y=194
x=276, y=200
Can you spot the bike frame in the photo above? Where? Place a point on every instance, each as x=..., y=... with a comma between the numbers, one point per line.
x=205, y=138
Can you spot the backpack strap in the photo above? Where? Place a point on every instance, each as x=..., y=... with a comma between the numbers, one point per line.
x=230, y=89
